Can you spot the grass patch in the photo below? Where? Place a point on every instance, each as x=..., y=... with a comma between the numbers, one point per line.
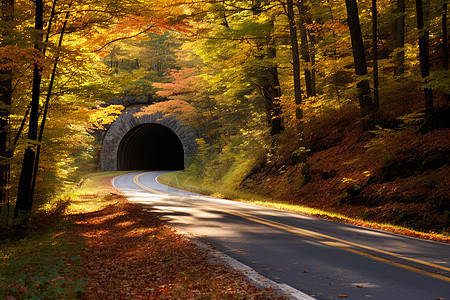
x=44, y=265
x=182, y=180
x=92, y=188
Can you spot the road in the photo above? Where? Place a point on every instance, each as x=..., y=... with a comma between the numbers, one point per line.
x=324, y=259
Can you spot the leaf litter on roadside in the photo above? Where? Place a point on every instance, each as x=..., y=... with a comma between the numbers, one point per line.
x=130, y=253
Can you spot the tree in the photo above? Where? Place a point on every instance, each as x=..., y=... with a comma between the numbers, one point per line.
x=270, y=84
x=7, y=17
x=24, y=198
x=399, y=38
x=295, y=56
x=359, y=57
x=424, y=61
x=445, y=41
x=85, y=24
x=376, y=97
x=272, y=93
x=445, y=35
x=307, y=55
x=47, y=102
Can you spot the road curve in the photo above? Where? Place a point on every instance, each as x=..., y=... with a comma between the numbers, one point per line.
x=324, y=259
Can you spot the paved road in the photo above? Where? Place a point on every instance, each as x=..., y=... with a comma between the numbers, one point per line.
x=321, y=258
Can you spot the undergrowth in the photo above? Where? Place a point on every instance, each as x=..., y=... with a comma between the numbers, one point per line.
x=44, y=265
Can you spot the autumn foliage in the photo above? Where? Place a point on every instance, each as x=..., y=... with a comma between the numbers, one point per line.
x=395, y=176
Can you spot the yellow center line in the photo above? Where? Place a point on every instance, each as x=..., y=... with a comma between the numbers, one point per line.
x=319, y=237
x=136, y=180
x=312, y=233
x=346, y=245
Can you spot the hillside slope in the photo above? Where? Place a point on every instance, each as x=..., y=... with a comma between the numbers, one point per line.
x=398, y=173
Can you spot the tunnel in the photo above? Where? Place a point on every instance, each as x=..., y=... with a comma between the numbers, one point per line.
x=150, y=147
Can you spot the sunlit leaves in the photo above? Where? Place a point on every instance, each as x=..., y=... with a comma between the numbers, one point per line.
x=181, y=109
x=103, y=116
x=182, y=86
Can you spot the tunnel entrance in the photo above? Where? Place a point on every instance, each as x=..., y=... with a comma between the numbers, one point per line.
x=150, y=147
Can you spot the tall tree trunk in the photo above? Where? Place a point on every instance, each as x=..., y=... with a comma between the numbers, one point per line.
x=376, y=97
x=271, y=89
x=399, y=38
x=7, y=16
x=24, y=201
x=304, y=48
x=21, y=127
x=312, y=58
x=47, y=102
x=274, y=89
x=270, y=85
x=295, y=57
x=424, y=61
x=363, y=86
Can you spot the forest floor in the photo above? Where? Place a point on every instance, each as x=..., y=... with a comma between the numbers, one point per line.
x=108, y=248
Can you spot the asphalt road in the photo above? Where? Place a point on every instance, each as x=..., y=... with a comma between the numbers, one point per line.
x=324, y=259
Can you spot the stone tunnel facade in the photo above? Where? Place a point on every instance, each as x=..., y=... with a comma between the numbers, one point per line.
x=127, y=123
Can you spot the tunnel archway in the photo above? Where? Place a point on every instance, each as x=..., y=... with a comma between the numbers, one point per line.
x=150, y=147
x=129, y=130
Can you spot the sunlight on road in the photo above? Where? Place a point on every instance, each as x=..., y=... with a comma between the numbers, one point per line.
x=364, y=261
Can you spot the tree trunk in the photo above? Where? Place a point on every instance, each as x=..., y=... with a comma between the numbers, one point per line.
x=295, y=56
x=21, y=127
x=424, y=62
x=304, y=49
x=312, y=58
x=47, y=102
x=270, y=85
x=363, y=86
x=445, y=35
x=274, y=93
x=271, y=89
x=445, y=40
x=399, y=38
x=376, y=97
x=7, y=16
x=24, y=201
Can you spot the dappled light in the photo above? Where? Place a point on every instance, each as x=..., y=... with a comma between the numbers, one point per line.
x=126, y=243
x=262, y=237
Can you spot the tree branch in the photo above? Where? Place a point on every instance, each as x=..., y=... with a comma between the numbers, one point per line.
x=124, y=38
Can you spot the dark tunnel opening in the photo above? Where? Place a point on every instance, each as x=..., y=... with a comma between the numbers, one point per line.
x=150, y=147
